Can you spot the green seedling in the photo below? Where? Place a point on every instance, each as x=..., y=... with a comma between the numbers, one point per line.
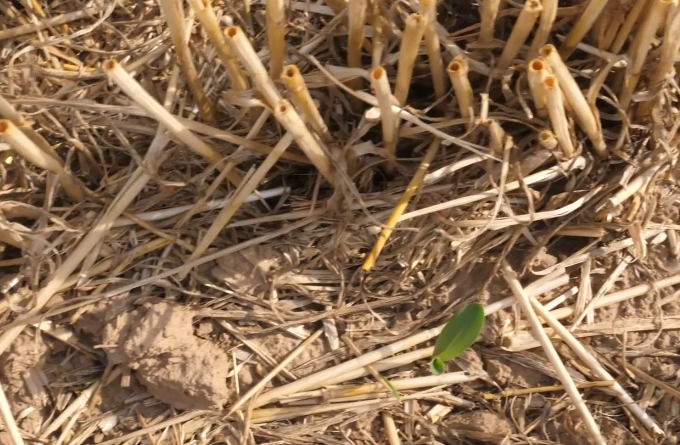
x=458, y=335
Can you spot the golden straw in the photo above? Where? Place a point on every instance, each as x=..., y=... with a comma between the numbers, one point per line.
x=276, y=35
x=410, y=44
x=293, y=80
x=575, y=98
x=544, y=27
x=523, y=26
x=458, y=73
x=558, y=116
x=175, y=18
x=535, y=74
x=381, y=86
x=434, y=54
x=583, y=25
x=357, y=23
x=626, y=29
x=488, y=19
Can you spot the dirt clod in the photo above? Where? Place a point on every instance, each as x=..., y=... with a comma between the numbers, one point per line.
x=484, y=426
x=176, y=366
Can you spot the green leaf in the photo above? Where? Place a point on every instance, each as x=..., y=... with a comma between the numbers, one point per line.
x=459, y=333
x=437, y=366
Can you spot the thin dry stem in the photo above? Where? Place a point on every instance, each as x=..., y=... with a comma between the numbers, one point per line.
x=175, y=19
x=357, y=22
x=545, y=25
x=410, y=44
x=383, y=94
x=626, y=29
x=536, y=74
x=525, y=303
x=276, y=36
x=520, y=32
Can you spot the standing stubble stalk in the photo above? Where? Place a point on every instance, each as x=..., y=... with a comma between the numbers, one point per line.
x=293, y=80
x=583, y=25
x=410, y=44
x=536, y=73
x=583, y=115
x=381, y=87
x=523, y=26
x=545, y=25
x=627, y=27
x=642, y=42
x=488, y=19
x=558, y=116
x=357, y=23
x=276, y=36
x=175, y=20
x=458, y=74
x=434, y=54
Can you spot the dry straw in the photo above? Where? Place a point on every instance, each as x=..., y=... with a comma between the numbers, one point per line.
x=536, y=74
x=293, y=80
x=381, y=88
x=276, y=36
x=174, y=17
x=489, y=14
x=433, y=47
x=458, y=73
x=588, y=17
x=410, y=44
x=520, y=32
x=545, y=24
x=558, y=116
x=357, y=22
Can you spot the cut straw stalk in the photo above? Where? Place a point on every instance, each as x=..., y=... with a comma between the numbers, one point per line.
x=670, y=47
x=488, y=14
x=558, y=116
x=523, y=26
x=635, y=14
x=415, y=183
x=356, y=25
x=276, y=36
x=458, y=73
x=381, y=87
x=590, y=14
x=175, y=19
x=577, y=101
x=291, y=121
x=410, y=44
x=642, y=42
x=8, y=420
x=593, y=364
x=545, y=25
x=547, y=139
x=524, y=301
x=208, y=19
x=240, y=45
x=22, y=144
x=536, y=74
x=293, y=80
x=429, y=10
x=134, y=90
x=225, y=215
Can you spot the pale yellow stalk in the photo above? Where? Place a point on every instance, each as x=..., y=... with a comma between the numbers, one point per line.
x=536, y=72
x=558, y=116
x=626, y=28
x=670, y=50
x=458, y=74
x=208, y=19
x=585, y=22
x=381, y=87
x=641, y=45
x=8, y=111
x=241, y=46
x=523, y=26
x=291, y=121
x=496, y=137
x=612, y=30
x=29, y=150
x=293, y=80
x=410, y=44
x=276, y=35
x=134, y=91
x=547, y=139
x=489, y=14
x=577, y=101
x=357, y=23
x=545, y=25
x=433, y=47
x=175, y=19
